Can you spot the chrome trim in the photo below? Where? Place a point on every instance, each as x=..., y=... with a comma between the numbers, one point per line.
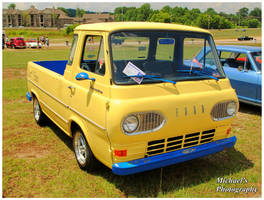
x=48, y=94
x=67, y=106
x=83, y=116
x=140, y=121
x=249, y=102
x=66, y=121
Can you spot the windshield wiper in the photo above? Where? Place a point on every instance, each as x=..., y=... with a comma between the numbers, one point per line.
x=151, y=77
x=197, y=72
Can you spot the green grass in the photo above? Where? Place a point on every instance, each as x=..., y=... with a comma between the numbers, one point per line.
x=233, y=34
x=18, y=58
x=39, y=161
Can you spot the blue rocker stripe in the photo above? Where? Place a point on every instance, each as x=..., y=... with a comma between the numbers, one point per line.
x=28, y=96
x=162, y=160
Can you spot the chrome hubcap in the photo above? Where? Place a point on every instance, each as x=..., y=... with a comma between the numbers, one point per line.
x=36, y=110
x=80, y=148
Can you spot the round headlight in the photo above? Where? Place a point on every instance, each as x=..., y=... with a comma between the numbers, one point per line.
x=231, y=108
x=130, y=124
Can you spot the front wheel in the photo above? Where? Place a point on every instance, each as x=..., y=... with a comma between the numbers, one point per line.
x=39, y=116
x=83, y=153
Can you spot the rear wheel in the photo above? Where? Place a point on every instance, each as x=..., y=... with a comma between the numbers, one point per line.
x=83, y=152
x=39, y=116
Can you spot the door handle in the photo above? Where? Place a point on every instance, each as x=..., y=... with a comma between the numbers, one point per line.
x=71, y=87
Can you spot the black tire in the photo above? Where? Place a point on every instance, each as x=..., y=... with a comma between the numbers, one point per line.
x=83, y=152
x=39, y=116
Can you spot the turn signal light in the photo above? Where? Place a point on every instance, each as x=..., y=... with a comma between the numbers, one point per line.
x=228, y=131
x=120, y=153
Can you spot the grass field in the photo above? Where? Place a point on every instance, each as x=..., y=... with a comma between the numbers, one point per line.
x=235, y=33
x=39, y=161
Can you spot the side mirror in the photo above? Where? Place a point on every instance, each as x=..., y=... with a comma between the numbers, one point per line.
x=83, y=76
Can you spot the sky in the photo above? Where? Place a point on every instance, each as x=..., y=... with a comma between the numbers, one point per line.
x=219, y=6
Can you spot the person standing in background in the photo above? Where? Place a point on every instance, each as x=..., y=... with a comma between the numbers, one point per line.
x=47, y=41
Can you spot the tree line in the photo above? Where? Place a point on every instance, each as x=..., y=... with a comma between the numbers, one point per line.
x=209, y=19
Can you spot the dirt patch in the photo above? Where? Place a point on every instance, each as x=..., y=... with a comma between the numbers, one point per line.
x=14, y=73
x=22, y=99
x=29, y=151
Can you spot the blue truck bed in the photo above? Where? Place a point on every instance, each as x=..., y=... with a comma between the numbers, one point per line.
x=57, y=66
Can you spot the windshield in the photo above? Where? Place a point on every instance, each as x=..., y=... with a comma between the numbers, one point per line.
x=167, y=55
x=257, y=58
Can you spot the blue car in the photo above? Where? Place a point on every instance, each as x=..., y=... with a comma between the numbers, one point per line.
x=242, y=65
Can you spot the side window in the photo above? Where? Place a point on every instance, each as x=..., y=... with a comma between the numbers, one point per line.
x=72, y=51
x=226, y=55
x=243, y=62
x=235, y=60
x=93, y=59
x=165, y=49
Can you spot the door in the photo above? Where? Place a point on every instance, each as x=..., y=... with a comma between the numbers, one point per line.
x=90, y=97
x=242, y=75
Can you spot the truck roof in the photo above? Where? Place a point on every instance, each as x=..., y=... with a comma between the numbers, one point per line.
x=116, y=26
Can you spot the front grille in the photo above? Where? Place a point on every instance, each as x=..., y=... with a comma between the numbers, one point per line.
x=179, y=142
x=149, y=121
x=219, y=111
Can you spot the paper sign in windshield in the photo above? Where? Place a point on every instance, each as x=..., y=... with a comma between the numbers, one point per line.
x=133, y=70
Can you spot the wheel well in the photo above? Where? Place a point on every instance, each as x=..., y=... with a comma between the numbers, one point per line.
x=74, y=126
x=33, y=95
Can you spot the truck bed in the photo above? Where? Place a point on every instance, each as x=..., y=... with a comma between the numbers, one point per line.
x=57, y=66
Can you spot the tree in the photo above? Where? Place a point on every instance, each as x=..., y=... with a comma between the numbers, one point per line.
x=12, y=6
x=144, y=12
x=64, y=10
x=243, y=12
x=70, y=29
x=72, y=12
x=160, y=17
x=80, y=12
x=256, y=13
x=211, y=12
x=253, y=23
x=25, y=19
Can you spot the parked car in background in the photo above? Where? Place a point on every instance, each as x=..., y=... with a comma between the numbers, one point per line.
x=17, y=42
x=33, y=43
x=242, y=65
x=245, y=38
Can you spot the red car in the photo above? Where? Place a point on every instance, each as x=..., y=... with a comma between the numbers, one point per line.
x=16, y=42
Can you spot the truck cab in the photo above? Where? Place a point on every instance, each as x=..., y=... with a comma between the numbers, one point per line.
x=141, y=104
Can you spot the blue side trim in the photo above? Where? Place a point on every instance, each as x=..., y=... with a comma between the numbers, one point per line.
x=57, y=66
x=28, y=96
x=162, y=160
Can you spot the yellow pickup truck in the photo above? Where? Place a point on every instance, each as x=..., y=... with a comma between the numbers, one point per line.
x=135, y=96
